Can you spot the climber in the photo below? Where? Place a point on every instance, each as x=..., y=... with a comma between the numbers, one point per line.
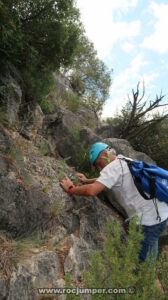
x=114, y=173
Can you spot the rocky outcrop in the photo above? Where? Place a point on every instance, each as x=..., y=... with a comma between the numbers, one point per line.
x=3, y=291
x=11, y=95
x=107, y=131
x=67, y=136
x=33, y=206
x=123, y=147
x=40, y=271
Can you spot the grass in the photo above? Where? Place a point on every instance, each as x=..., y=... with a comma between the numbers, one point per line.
x=48, y=185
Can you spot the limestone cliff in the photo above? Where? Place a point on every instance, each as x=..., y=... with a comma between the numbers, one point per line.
x=44, y=233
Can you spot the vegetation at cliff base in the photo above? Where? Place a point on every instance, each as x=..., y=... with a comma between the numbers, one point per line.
x=117, y=267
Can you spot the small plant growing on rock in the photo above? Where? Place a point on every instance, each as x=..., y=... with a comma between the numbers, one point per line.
x=68, y=285
x=28, y=180
x=14, y=153
x=55, y=209
x=48, y=185
x=81, y=149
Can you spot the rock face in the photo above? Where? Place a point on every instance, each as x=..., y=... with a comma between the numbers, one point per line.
x=31, y=122
x=20, y=207
x=67, y=136
x=11, y=94
x=3, y=291
x=123, y=147
x=106, y=131
x=33, y=206
x=41, y=271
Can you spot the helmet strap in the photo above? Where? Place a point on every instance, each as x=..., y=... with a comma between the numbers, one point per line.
x=107, y=157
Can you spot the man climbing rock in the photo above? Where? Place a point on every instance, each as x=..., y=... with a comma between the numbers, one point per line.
x=115, y=173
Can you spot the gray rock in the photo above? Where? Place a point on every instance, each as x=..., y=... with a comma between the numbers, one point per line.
x=45, y=268
x=41, y=271
x=31, y=122
x=21, y=285
x=3, y=166
x=68, y=137
x=77, y=258
x=123, y=147
x=113, y=197
x=21, y=211
x=88, y=118
x=5, y=140
x=106, y=131
x=11, y=94
x=43, y=145
x=3, y=290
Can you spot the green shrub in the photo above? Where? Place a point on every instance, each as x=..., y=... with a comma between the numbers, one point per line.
x=67, y=99
x=69, y=285
x=39, y=84
x=117, y=266
x=81, y=149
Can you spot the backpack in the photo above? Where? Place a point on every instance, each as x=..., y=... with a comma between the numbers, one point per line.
x=149, y=179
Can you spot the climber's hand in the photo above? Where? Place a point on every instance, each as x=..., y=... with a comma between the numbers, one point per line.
x=81, y=177
x=66, y=183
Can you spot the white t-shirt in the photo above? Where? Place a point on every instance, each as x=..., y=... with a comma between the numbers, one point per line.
x=116, y=175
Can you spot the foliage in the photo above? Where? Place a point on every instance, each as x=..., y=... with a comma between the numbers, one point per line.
x=48, y=185
x=46, y=106
x=61, y=175
x=14, y=153
x=68, y=285
x=67, y=99
x=38, y=37
x=89, y=77
x=154, y=142
x=55, y=209
x=25, y=245
x=42, y=36
x=162, y=271
x=117, y=266
x=41, y=32
x=3, y=117
x=81, y=149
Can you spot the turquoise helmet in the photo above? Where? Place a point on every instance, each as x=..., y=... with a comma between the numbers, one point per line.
x=95, y=150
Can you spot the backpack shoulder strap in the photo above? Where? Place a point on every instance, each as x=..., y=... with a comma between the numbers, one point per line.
x=137, y=181
x=138, y=185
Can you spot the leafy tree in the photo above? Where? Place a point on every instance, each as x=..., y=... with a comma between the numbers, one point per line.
x=38, y=37
x=154, y=142
x=41, y=32
x=89, y=77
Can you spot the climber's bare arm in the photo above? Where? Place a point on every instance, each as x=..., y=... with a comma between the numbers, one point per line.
x=91, y=189
x=83, y=178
